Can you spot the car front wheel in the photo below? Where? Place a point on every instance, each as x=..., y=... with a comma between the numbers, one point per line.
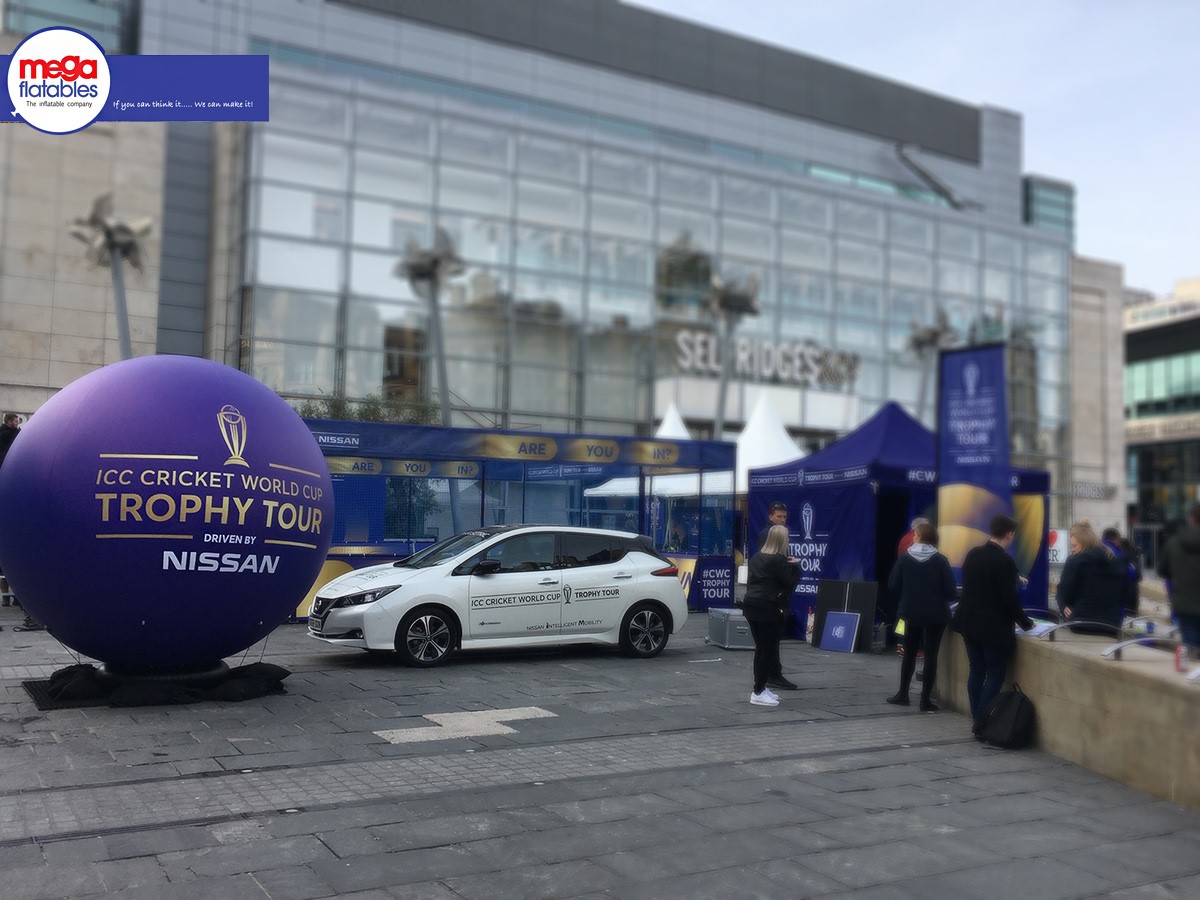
x=644, y=631
x=426, y=637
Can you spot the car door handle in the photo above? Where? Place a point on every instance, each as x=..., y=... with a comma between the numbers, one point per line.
x=623, y=575
x=548, y=581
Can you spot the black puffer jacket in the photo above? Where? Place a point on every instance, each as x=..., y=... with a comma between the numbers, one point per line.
x=925, y=582
x=770, y=580
x=1094, y=584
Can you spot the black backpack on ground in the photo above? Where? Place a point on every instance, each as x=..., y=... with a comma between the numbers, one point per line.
x=1009, y=721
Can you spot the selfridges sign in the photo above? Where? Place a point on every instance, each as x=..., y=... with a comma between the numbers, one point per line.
x=791, y=362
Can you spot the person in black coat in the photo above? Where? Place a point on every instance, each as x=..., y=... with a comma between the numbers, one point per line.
x=1094, y=585
x=989, y=608
x=771, y=578
x=8, y=433
x=1179, y=566
x=925, y=583
x=776, y=515
x=1123, y=548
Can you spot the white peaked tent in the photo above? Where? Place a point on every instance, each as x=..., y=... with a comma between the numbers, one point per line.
x=763, y=442
x=671, y=428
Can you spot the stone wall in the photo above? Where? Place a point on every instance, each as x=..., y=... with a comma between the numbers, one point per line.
x=1135, y=720
x=1097, y=386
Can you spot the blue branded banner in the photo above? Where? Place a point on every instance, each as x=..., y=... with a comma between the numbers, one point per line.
x=147, y=89
x=189, y=89
x=825, y=535
x=1031, y=547
x=973, y=438
x=546, y=455
x=707, y=580
x=712, y=583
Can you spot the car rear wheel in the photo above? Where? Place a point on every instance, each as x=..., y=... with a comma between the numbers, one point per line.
x=426, y=637
x=644, y=631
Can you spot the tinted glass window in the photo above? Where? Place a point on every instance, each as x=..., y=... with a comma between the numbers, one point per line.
x=584, y=550
x=444, y=550
x=524, y=553
x=642, y=544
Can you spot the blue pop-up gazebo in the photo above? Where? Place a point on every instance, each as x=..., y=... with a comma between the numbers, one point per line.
x=851, y=502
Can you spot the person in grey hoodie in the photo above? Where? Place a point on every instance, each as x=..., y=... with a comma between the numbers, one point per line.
x=923, y=578
x=1179, y=565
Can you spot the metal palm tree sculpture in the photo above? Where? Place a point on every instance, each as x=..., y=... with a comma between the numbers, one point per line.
x=730, y=301
x=426, y=271
x=109, y=238
x=924, y=341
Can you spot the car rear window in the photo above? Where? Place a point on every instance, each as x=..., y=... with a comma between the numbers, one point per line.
x=642, y=544
x=580, y=549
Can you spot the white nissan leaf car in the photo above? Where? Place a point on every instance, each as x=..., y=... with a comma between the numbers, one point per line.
x=507, y=586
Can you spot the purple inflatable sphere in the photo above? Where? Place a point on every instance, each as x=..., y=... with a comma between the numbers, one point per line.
x=163, y=513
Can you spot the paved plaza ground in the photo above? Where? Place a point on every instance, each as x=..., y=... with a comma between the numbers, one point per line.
x=587, y=775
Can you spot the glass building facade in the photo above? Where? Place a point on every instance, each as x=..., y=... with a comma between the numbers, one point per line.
x=1168, y=384
x=593, y=206
x=1162, y=416
x=113, y=23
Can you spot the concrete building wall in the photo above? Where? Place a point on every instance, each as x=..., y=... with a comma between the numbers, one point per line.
x=1097, y=373
x=57, y=315
x=1187, y=289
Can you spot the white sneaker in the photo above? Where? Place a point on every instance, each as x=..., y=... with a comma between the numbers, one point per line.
x=766, y=698
x=770, y=693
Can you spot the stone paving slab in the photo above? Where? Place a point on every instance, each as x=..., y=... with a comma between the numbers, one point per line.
x=49, y=812
x=653, y=779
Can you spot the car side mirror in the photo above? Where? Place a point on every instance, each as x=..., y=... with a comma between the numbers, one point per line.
x=486, y=567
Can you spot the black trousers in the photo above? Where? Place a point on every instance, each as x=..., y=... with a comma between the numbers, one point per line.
x=915, y=638
x=767, y=636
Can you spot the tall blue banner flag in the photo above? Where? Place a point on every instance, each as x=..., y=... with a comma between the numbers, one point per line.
x=975, y=482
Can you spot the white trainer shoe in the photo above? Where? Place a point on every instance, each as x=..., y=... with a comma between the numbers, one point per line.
x=770, y=693
x=766, y=698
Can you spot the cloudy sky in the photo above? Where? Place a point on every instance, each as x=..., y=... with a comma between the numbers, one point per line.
x=1109, y=91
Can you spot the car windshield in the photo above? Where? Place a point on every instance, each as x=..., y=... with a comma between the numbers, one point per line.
x=443, y=550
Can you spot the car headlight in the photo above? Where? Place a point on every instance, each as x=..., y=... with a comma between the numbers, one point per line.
x=366, y=596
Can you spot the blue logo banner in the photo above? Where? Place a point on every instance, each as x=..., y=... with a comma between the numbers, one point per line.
x=186, y=88
x=189, y=89
x=973, y=439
